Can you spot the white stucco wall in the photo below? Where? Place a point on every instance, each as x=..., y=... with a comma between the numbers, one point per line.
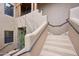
x=7, y=23
x=74, y=13
x=1, y=8
x=57, y=14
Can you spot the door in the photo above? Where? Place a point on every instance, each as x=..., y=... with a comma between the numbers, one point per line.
x=21, y=38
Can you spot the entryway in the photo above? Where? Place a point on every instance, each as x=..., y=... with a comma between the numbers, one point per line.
x=21, y=34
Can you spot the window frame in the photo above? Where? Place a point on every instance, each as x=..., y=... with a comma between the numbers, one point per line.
x=10, y=36
x=11, y=10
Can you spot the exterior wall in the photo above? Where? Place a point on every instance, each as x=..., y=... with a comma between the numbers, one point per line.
x=57, y=14
x=74, y=13
x=7, y=23
x=1, y=8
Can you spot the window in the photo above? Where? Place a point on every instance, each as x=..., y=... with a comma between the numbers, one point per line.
x=8, y=36
x=25, y=8
x=8, y=9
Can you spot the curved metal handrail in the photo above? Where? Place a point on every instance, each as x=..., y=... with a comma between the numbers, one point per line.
x=67, y=21
x=58, y=25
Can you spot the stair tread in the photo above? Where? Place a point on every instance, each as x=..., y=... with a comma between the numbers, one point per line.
x=58, y=45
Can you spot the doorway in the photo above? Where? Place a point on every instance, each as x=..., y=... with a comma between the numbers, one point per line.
x=21, y=34
x=25, y=8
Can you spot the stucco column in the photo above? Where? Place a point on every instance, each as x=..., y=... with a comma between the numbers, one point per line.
x=35, y=6
x=17, y=10
x=32, y=6
x=14, y=10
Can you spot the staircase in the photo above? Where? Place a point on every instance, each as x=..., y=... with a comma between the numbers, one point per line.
x=54, y=45
x=66, y=44
x=58, y=45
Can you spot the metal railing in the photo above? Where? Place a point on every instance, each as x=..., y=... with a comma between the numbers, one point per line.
x=58, y=25
x=67, y=21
